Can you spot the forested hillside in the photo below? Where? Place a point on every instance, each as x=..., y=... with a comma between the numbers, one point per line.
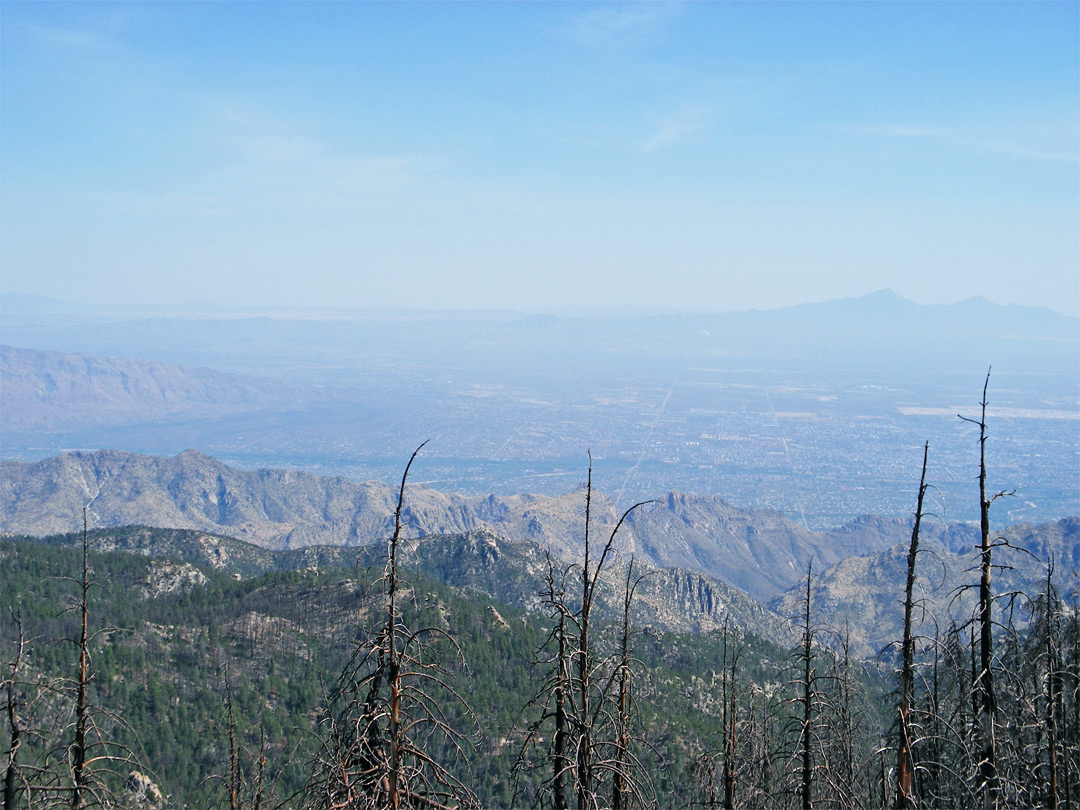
x=179, y=638
x=218, y=686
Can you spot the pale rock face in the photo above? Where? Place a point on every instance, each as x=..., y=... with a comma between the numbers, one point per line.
x=497, y=618
x=865, y=594
x=144, y=793
x=171, y=577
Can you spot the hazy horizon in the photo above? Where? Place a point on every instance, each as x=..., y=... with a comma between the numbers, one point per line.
x=158, y=309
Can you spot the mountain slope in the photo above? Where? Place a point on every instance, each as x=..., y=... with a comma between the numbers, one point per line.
x=513, y=573
x=184, y=667
x=50, y=391
x=866, y=593
x=758, y=551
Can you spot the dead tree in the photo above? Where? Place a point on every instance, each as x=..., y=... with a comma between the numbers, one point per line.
x=79, y=765
x=88, y=768
x=585, y=665
x=1070, y=710
x=625, y=784
x=562, y=764
x=542, y=780
x=946, y=775
x=12, y=782
x=761, y=754
x=729, y=720
x=738, y=771
x=591, y=693
x=388, y=709
x=984, y=694
x=905, y=765
x=806, y=744
x=806, y=699
x=1042, y=660
x=82, y=714
x=706, y=779
x=850, y=734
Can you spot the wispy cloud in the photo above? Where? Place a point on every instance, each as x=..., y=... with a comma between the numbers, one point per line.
x=263, y=138
x=81, y=38
x=381, y=173
x=133, y=201
x=633, y=22
x=959, y=140
x=274, y=147
x=681, y=127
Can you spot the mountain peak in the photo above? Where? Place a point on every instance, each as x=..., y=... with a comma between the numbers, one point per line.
x=882, y=295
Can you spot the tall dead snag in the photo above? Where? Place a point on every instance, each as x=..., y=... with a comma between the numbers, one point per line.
x=585, y=664
x=82, y=714
x=623, y=763
x=905, y=766
x=762, y=749
x=248, y=784
x=1071, y=719
x=561, y=762
x=388, y=709
x=850, y=733
x=806, y=698
x=946, y=776
x=80, y=767
x=1044, y=653
x=81, y=791
x=728, y=720
x=591, y=693
x=547, y=776
x=717, y=784
x=984, y=684
x=11, y=772
x=806, y=742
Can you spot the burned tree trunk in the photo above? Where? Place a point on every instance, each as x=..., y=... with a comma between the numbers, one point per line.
x=905, y=766
x=806, y=739
x=984, y=683
x=11, y=775
x=82, y=713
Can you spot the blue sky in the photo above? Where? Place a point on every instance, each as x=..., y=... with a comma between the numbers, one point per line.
x=705, y=156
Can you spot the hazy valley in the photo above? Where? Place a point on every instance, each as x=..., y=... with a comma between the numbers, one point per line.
x=818, y=411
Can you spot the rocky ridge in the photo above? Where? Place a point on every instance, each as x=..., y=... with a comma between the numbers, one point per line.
x=865, y=593
x=758, y=551
x=511, y=572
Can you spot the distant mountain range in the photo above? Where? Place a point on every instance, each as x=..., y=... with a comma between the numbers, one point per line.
x=758, y=551
x=52, y=391
x=317, y=346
